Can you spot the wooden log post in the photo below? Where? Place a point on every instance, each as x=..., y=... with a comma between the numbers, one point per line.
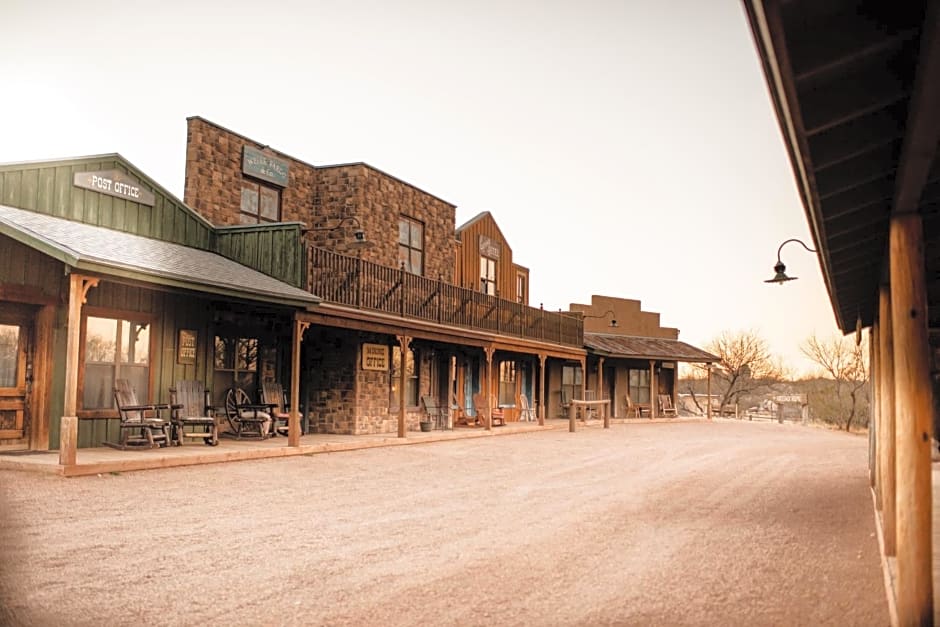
x=600, y=391
x=912, y=420
x=654, y=388
x=542, y=393
x=874, y=422
x=68, y=427
x=293, y=424
x=404, y=343
x=886, y=411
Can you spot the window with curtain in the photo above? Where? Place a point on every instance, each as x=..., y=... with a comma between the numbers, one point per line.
x=571, y=381
x=411, y=378
x=115, y=348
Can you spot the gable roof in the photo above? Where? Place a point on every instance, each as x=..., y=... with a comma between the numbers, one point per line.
x=634, y=347
x=483, y=215
x=116, y=253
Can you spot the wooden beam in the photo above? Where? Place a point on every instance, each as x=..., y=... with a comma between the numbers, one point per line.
x=886, y=412
x=708, y=390
x=293, y=425
x=913, y=420
x=404, y=343
x=68, y=431
x=875, y=420
x=542, y=392
x=488, y=387
x=654, y=389
x=922, y=132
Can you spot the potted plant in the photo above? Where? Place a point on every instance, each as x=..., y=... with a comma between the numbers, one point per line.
x=425, y=425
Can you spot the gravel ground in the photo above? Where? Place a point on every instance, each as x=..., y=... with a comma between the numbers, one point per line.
x=694, y=523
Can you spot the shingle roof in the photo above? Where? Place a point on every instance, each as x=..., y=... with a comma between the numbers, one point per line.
x=632, y=347
x=98, y=249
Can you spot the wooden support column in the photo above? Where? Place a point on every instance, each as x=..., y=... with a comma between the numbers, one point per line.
x=68, y=429
x=600, y=391
x=912, y=420
x=293, y=420
x=886, y=432
x=543, y=395
x=654, y=389
x=488, y=387
x=708, y=390
x=874, y=422
x=450, y=400
x=404, y=342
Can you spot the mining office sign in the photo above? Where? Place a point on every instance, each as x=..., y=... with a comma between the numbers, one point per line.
x=374, y=357
x=261, y=166
x=114, y=183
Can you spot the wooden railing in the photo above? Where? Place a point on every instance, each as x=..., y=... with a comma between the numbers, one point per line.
x=362, y=284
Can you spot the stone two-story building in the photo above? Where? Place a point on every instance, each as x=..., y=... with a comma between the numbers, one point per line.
x=412, y=307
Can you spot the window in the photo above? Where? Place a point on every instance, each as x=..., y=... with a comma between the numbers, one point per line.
x=114, y=349
x=520, y=289
x=507, y=383
x=260, y=203
x=488, y=276
x=411, y=378
x=571, y=382
x=411, y=245
x=235, y=365
x=639, y=381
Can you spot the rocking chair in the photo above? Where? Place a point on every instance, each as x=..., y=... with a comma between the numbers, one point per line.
x=141, y=425
x=190, y=407
x=272, y=394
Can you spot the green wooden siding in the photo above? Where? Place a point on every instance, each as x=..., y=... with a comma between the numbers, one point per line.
x=276, y=250
x=47, y=188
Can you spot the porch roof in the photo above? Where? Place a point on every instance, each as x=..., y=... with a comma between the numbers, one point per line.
x=108, y=252
x=634, y=347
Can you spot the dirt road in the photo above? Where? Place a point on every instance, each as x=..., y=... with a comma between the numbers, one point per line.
x=669, y=524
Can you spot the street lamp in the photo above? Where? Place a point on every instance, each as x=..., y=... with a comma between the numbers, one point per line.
x=780, y=270
x=358, y=233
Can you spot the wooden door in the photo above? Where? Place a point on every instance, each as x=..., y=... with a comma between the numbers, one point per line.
x=16, y=362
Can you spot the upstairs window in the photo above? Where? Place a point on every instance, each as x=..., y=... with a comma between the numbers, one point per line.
x=260, y=203
x=411, y=245
x=488, y=276
x=521, y=296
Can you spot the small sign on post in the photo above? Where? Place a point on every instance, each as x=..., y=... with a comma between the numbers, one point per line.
x=374, y=357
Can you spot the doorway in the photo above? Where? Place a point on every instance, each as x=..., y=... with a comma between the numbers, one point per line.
x=16, y=370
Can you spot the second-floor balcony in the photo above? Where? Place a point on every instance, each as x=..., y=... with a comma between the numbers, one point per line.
x=350, y=281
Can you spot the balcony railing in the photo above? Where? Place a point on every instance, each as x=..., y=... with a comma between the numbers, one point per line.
x=362, y=284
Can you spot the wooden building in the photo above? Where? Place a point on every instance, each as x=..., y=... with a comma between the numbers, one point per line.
x=104, y=275
x=856, y=89
x=630, y=355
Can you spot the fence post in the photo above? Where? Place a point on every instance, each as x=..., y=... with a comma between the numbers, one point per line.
x=358, y=281
x=401, y=293
x=440, y=299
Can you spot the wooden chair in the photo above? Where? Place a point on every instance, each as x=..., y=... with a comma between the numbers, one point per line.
x=665, y=406
x=635, y=410
x=527, y=413
x=590, y=412
x=479, y=408
x=273, y=394
x=565, y=402
x=190, y=406
x=461, y=418
x=433, y=412
x=244, y=417
x=141, y=425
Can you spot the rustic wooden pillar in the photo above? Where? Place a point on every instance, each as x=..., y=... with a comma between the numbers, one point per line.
x=451, y=397
x=600, y=391
x=404, y=342
x=68, y=427
x=874, y=422
x=913, y=420
x=886, y=432
x=708, y=390
x=654, y=388
x=293, y=424
x=488, y=387
x=543, y=394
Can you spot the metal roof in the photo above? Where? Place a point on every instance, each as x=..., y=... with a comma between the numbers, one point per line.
x=856, y=88
x=109, y=252
x=633, y=347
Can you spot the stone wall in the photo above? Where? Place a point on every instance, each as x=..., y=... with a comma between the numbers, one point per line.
x=330, y=375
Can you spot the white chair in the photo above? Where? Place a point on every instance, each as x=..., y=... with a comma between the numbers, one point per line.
x=527, y=413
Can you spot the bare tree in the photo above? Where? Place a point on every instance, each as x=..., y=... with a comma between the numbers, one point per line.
x=842, y=359
x=744, y=365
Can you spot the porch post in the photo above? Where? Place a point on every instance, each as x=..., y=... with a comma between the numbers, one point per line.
x=708, y=390
x=600, y=391
x=293, y=424
x=451, y=376
x=874, y=423
x=404, y=342
x=488, y=387
x=913, y=420
x=886, y=431
x=543, y=394
x=654, y=388
x=68, y=429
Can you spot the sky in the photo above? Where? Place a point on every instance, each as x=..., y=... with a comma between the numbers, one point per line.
x=625, y=148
